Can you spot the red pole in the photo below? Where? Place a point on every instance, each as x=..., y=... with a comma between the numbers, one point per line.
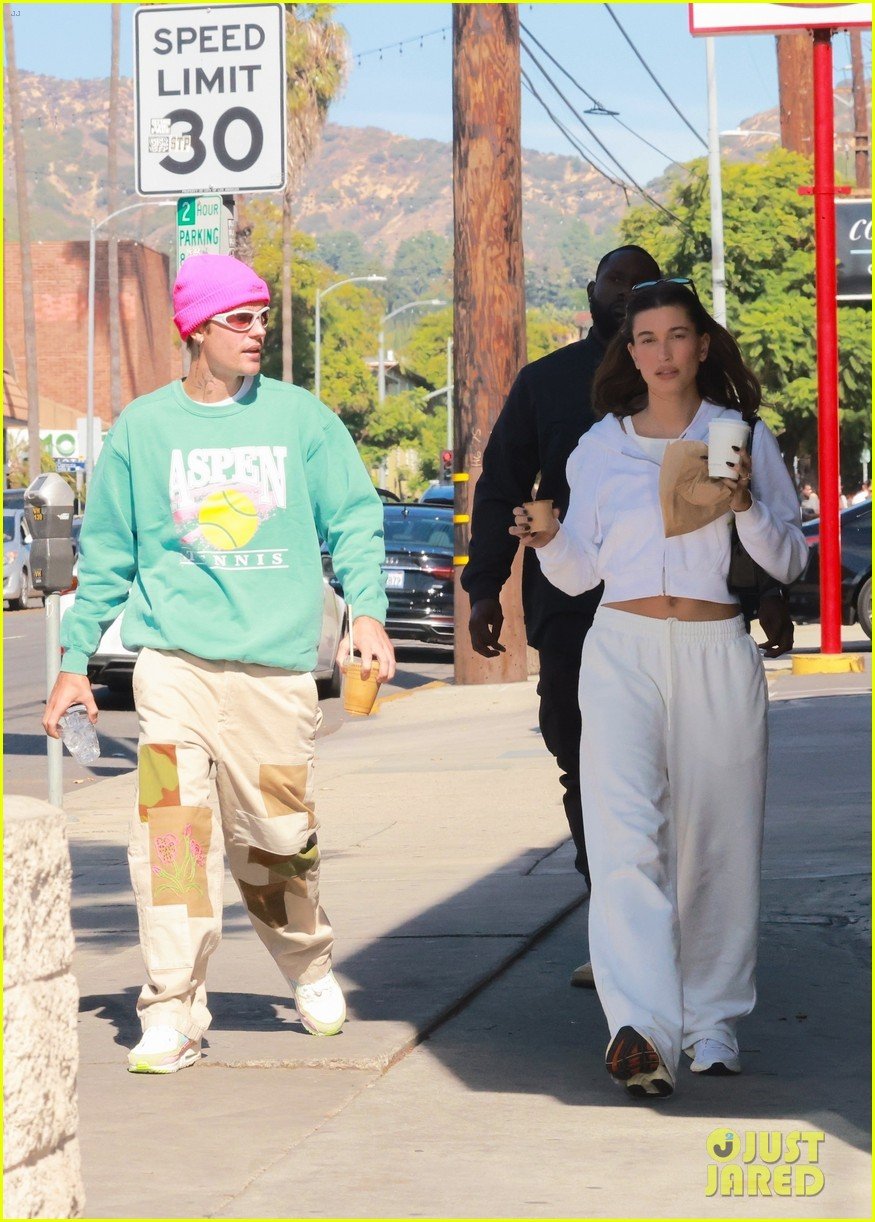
x=827, y=346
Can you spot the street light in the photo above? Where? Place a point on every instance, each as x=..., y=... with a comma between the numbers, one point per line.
x=89, y=409
x=320, y=293
x=381, y=358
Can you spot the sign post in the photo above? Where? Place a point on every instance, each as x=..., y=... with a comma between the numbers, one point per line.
x=210, y=99
x=822, y=20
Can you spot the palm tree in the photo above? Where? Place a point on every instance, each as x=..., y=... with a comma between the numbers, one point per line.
x=316, y=64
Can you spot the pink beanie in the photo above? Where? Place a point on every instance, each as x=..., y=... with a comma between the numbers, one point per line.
x=211, y=284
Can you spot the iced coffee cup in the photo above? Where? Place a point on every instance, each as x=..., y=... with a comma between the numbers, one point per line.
x=541, y=513
x=359, y=694
x=723, y=435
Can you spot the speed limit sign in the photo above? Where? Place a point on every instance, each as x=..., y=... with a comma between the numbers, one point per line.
x=210, y=98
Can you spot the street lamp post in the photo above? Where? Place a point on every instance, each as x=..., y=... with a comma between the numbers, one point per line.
x=92, y=247
x=381, y=356
x=320, y=293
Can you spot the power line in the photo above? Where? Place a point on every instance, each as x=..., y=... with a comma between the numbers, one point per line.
x=672, y=103
x=572, y=139
x=598, y=104
x=399, y=46
x=637, y=186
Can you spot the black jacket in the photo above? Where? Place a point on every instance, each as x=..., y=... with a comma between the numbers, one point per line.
x=546, y=412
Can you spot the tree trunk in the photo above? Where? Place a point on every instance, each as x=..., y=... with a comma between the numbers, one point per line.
x=861, y=117
x=796, y=92
x=23, y=208
x=288, y=375
x=115, y=378
x=489, y=340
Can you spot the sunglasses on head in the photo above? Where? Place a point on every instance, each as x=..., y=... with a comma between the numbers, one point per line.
x=242, y=320
x=685, y=281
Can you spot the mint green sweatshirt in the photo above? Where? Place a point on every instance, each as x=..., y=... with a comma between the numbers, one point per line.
x=208, y=520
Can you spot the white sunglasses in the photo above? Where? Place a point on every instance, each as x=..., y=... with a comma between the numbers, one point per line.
x=242, y=320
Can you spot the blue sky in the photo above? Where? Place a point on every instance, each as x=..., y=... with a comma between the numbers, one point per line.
x=409, y=92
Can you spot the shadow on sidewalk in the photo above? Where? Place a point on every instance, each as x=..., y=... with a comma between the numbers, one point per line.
x=521, y=1029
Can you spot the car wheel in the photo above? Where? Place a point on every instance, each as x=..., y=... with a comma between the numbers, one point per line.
x=864, y=607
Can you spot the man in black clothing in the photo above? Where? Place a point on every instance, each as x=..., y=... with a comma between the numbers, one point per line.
x=547, y=411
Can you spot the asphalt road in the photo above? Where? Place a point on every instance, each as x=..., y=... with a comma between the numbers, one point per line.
x=24, y=684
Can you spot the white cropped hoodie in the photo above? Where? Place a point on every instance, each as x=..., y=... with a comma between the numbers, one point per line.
x=613, y=530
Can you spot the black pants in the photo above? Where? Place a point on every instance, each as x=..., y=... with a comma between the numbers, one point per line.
x=559, y=646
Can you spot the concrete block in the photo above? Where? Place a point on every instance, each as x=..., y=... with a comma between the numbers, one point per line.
x=49, y=1187
x=41, y=1058
x=38, y=940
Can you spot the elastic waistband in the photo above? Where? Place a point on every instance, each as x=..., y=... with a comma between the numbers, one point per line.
x=706, y=631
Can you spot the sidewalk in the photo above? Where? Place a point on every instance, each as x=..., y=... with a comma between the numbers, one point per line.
x=445, y=862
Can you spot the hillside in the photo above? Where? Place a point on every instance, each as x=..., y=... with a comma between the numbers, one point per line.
x=383, y=187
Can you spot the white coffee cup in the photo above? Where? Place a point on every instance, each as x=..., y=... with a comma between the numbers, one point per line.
x=722, y=436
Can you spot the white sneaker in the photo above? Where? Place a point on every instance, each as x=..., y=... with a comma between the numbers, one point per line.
x=163, y=1049
x=321, y=1005
x=712, y=1057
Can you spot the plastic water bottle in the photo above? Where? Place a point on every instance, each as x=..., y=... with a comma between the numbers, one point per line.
x=79, y=735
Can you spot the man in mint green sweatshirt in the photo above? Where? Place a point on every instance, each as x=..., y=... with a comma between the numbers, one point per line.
x=204, y=518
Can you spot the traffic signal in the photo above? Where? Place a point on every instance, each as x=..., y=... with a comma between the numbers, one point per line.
x=446, y=466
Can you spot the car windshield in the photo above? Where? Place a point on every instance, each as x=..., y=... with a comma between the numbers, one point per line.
x=418, y=530
x=8, y=527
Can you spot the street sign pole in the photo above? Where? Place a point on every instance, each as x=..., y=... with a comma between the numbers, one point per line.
x=827, y=347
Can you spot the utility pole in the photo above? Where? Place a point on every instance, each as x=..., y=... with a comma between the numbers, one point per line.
x=862, y=174
x=115, y=372
x=489, y=333
x=795, y=92
x=34, y=456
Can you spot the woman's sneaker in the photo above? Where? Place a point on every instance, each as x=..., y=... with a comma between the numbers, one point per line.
x=163, y=1049
x=632, y=1061
x=321, y=1005
x=712, y=1057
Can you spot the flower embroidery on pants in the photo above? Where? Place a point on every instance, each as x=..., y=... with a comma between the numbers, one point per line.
x=179, y=863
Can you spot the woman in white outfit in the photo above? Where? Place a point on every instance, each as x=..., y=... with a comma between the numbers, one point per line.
x=672, y=690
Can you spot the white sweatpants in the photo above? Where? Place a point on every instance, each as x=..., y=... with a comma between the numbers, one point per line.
x=673, y=775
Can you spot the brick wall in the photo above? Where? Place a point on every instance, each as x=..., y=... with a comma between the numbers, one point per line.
x=150, y=355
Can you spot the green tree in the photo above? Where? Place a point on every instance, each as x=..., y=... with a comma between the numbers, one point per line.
x=344, y=252
x=769, y=247
x=422, y=269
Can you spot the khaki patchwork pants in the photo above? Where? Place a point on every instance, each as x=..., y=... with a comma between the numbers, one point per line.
x=256, y=726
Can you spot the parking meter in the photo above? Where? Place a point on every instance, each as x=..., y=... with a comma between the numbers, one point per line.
x=48, y=511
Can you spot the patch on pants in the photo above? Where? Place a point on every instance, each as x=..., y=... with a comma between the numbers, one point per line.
x=158, y=777
x=292, y=865
x=286, y=875
x=179, y=841
x=284, y=790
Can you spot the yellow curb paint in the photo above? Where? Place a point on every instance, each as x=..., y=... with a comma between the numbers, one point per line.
x=827, y=663
x=410, y=692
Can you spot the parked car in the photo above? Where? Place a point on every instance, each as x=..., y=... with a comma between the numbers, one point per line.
x=113, y=664
x=438, y=494
x=419, y=572
x=18, y=591
x=387, y=497
x=856, y=536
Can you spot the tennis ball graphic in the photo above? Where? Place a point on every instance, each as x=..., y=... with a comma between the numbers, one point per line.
x=227, y=519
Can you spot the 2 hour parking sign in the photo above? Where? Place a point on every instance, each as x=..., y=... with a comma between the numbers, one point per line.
x=210, y=98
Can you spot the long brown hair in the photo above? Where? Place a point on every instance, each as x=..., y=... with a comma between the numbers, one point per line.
x=723, y=377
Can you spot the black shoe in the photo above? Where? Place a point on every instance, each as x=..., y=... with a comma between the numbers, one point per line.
x=632, y=1061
